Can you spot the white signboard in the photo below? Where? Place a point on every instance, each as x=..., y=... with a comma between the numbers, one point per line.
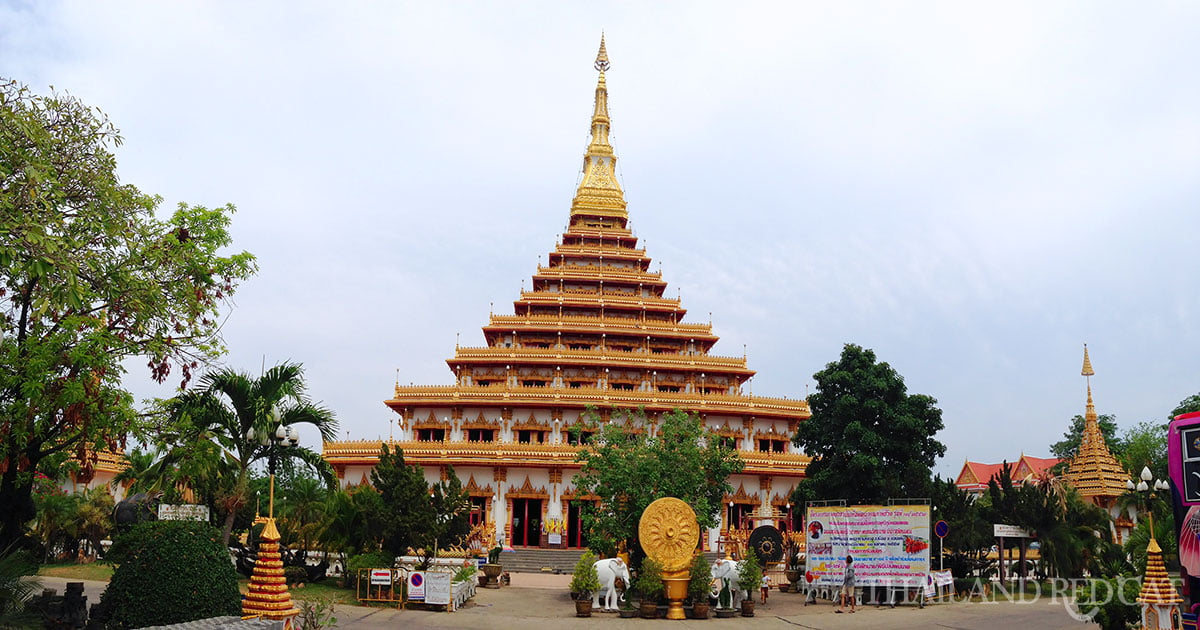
x=554, y=539
x=437, y=588
x=182, y=512
x=889, y=544
x=1009, y=531
x=943, y=578
x=381, y=577
x=416, y=586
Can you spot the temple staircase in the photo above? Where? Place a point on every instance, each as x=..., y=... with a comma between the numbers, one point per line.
x=532, y=560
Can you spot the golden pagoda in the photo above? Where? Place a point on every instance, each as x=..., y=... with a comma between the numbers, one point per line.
x=595, y=329
x=268, y=594
x=1094, y=472
x=1158, y=597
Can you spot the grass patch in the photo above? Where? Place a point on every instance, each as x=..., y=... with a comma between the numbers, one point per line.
x=327, y=590
x=92, y=571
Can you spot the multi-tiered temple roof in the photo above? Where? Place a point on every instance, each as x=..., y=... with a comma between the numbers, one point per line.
x=1094, y=472
x=595, y=329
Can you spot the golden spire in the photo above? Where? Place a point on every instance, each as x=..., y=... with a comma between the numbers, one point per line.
x=599, y=194
x=1087, y=364
x=1094, y=472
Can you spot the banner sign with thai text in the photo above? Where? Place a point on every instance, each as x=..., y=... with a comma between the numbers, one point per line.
x=889, y=544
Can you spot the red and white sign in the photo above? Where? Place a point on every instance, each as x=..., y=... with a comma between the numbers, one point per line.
x=381, y=577
x=416, y=586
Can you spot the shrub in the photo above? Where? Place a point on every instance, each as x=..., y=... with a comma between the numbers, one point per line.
x=315, y=614
x=585, y=580
x=16, y=588
x=464, y=573
x=649, y=581
x=750, y=572
x=700, y=579
x=375, y=560
x=295, y=575
x=1112, y=602
x=170, y=572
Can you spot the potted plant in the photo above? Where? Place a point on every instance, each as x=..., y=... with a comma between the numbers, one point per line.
x=699, y=586
x=584, y=582
x=493, y=568
x=795, y=567
x=725, y=602
x=749, y=577
x=650, y=585
x=626, y=609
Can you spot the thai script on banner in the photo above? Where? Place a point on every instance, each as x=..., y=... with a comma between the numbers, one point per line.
x=889, y=544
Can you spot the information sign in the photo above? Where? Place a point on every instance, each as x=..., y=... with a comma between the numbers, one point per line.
x=889, y=544
x=437, y=588
x=182, y=512
x=416, y=586
x=381, y=577
x=1009, y=531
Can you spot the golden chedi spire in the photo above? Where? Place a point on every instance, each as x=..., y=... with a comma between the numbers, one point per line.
x=268, y=594
x=599, y=195
x=1094, y=472
x=1156, y=585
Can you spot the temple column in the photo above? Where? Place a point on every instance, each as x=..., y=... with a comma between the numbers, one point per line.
x=501, y=506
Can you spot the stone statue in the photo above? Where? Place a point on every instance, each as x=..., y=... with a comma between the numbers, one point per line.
x=609, y=570
x=726, y=570
x=138, y=508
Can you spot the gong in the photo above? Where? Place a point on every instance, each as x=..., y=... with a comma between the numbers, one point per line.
x=767, y=542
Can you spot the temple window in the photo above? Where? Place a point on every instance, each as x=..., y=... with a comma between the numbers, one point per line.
x=668, y=388
x=481, y=435
x=728, y=442
x=478, y=510
x=580, y=437
x=772, y=446
x=530, y=436
x=431, y=435
x=581, y=346
x=533, y=383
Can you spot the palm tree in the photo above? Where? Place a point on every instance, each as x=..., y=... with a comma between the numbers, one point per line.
x=233, y=413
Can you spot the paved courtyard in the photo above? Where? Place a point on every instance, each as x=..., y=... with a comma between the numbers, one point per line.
x=541, y=602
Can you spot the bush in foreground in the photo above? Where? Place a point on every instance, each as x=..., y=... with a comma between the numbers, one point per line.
x=170, y=572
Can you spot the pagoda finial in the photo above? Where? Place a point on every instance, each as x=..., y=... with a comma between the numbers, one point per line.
x=1087, y=363
x=602, y=56
x=599, y=194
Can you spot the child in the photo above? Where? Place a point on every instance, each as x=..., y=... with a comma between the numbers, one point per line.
x=765, y=587
x=847, y=586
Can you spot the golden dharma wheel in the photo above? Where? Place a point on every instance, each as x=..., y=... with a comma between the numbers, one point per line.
x=669, y=532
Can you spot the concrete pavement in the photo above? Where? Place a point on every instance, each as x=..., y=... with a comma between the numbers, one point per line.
x=541, y=602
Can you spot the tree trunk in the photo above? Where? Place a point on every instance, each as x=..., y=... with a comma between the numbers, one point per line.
x=228, y=529
x=17, y=500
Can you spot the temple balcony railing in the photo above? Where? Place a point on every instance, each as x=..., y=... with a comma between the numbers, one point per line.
x=605, y=358
x=600, y=272
x=596, y=250
x=604, y=323
x=595, y=298
x=733, y=404
x=518, y=455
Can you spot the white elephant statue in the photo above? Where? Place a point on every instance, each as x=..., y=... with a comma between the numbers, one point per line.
x=725, y=573
x=608, y=570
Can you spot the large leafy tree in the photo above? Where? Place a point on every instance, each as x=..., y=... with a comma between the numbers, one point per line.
x=628, y=469
x=1067, y=447
x=1187, y=405
x=214, y=423
x=89, y=277
x=1145, y=444
x=869, y=438
x=411, y=514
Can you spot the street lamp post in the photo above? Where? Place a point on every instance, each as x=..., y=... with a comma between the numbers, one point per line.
x=1144, y=486
x=275, y=443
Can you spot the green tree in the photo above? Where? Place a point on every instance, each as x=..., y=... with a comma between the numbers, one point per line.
x=1067, y=447
x=629, y=469
x=1187, y=405
x=90, y=277
x=228, y=419
x=413, y=515
x=870, y=439
x=1145, y=444
x=965, y=547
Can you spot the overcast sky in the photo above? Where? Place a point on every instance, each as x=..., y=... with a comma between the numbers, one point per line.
x=971, y=192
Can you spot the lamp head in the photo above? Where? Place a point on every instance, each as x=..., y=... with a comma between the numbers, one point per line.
x=280, y=433
x=1146, y=474
x=1129, y=485
x=1143, y=486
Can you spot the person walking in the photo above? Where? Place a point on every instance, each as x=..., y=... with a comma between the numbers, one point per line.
x=847, y=587
x=765, y=587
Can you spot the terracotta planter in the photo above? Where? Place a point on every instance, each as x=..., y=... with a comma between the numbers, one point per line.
x=627, y=613
x=700, y=610
x=492, y=571
x=649, y=610
x=583, y=608
x=747, y=607
x=726, y=613
x=483, y=579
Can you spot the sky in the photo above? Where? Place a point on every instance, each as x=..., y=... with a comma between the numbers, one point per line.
x=973, y=192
